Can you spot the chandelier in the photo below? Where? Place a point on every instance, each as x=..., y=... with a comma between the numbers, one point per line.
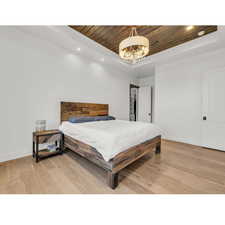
x=134, y=47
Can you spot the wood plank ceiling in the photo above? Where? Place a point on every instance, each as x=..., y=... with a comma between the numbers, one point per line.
x=160, y=37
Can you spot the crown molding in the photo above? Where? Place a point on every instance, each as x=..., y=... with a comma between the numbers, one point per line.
x=70, y=40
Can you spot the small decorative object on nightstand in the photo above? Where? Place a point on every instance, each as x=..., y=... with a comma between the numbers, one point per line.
x=47, y=136
x=40, y=125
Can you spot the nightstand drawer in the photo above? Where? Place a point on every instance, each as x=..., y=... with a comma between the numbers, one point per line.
x=48, y=138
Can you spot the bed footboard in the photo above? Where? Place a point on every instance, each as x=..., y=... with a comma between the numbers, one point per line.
x=119, y=162
x=132, y=154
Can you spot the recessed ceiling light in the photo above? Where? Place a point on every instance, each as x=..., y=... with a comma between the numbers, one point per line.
x=189, y=27
x=78, y=49
x=200, y=33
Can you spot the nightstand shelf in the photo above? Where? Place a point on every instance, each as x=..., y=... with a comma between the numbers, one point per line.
x=43, y=137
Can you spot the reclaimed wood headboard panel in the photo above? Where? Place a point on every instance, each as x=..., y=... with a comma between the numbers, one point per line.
x=70, y=109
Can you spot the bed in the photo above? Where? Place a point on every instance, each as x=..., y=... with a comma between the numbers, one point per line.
x=90, y=139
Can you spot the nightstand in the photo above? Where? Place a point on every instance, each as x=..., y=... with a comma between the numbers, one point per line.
x=47, y=136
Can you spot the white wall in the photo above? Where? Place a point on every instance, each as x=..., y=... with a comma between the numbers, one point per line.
x=144, y=81
x=36, y=75
x=178, y=96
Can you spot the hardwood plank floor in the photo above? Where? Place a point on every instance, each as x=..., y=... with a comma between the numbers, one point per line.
x=180, y=169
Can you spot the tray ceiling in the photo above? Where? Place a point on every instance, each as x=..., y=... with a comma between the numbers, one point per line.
x=160, y=37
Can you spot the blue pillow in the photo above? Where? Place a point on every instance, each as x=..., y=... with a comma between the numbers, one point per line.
x=101, y=118
x=81, y=119
x=90, y=119
x=111, y=118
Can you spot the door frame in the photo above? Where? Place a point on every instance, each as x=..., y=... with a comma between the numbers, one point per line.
x=151, y=90
x=203, y=112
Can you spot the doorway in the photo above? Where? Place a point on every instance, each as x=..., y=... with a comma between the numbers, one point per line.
x=133, y=102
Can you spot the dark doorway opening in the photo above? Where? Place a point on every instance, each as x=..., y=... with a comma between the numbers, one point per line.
x=133, y=102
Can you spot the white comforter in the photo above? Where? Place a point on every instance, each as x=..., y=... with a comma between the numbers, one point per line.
x=110, y=137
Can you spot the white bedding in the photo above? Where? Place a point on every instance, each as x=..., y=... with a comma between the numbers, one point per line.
x=110, y=137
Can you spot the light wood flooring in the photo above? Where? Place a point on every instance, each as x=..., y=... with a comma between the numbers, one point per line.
x=180, y=169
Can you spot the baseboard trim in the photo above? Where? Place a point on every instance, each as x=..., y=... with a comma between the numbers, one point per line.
x=199, y=146
x=11, y=157
x=164, y=139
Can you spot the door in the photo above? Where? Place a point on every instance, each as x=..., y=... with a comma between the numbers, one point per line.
x=213, y=110
x=144, y=104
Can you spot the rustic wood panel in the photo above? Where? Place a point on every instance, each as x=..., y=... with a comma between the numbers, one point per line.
x=160, y=37
x=86, y=151
x=70, y=109
x=116, y=164
x=132, y=154
x=120, y=161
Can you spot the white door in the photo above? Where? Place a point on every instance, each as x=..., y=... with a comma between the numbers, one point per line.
x=213, y=109
x=144, y=104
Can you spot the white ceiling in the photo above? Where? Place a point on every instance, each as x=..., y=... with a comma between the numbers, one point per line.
x=69, y=39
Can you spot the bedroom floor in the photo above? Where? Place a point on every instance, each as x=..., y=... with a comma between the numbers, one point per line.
x=180, y=169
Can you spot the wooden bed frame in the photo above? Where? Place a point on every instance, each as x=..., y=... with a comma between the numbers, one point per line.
x=120, y=161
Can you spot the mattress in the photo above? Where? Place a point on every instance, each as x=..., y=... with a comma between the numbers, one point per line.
x=111, y=137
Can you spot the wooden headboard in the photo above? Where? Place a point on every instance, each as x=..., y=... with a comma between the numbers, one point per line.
x=70, y=109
